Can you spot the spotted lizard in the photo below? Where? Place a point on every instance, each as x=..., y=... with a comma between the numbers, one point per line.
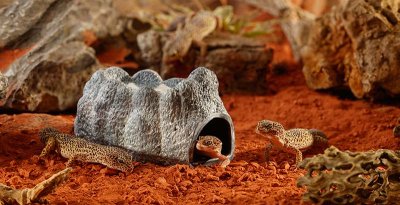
x=75, y=148
x=194, y=30
x=292, y=141
x=211, y=146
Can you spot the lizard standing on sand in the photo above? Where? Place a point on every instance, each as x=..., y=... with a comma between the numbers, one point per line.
x=75, y=148
x=211, y=146
x=292, y=141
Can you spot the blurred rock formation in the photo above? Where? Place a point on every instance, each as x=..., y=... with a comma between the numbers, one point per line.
x=355, y=45
x=54, y=59
x=52, y=47
x=240, y=63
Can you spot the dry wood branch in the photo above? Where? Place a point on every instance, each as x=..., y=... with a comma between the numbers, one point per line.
x=9, y=195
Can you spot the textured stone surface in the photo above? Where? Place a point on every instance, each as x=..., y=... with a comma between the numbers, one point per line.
x=240, y=63
x=51, y=74
x=3, y=85
x=26, y=13
x=333, y=177
x=159, y=121
x=357, y=45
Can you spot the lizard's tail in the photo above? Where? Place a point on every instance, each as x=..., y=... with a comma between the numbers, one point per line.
x=320, y=138
x=47, y=132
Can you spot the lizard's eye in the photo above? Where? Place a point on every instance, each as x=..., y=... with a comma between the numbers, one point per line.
x=268, y=126
x=207, y=143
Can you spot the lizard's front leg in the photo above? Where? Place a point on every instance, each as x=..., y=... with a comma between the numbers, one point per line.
x=267, y=150
x=50, y=145
x=297, y=152
x=225, y=163
x=70, y=161
x=299, y=157
x=203, y=47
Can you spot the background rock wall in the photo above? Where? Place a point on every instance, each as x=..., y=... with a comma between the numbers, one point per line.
x=356, y=45
x=55, y=59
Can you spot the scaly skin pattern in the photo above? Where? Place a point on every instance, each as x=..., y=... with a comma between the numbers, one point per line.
x=211, y=146
x=195, y=29
x=75, y=148
x=292, y=141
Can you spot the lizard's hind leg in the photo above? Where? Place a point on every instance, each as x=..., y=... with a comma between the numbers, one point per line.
x=74, y=158
x=203, y=48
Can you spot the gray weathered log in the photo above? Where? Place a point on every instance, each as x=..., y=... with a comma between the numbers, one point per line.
x=159, y=121
x=51, y=74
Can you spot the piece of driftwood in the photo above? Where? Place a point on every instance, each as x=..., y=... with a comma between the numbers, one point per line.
x=240, y=63
x=9, y=195
x=54, y=59
x=355, y=45
x=158, y=121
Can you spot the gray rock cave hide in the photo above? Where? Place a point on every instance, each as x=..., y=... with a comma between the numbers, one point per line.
x=158, y=121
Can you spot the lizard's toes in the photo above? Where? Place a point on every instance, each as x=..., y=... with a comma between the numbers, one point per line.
x=225, y=163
